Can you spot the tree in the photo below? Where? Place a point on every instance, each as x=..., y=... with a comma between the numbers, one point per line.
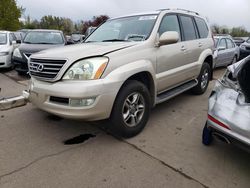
x=239, y=32
x=9, y=15
x=96, y=21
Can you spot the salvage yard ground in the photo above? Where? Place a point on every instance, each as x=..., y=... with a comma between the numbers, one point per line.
x=168, y=153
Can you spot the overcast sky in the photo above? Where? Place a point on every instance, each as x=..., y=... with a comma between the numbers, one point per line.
x=223, y=12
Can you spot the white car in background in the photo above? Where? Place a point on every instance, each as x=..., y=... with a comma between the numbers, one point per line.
x=7, y=46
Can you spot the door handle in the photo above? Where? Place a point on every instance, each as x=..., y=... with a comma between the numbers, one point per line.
x=200, y=44
x=183, y=48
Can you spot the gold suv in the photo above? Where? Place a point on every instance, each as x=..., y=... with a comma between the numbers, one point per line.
x=124, y=68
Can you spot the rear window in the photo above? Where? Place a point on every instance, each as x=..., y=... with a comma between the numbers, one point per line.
x=43, y=37
x=188, y=28
x=202, y=27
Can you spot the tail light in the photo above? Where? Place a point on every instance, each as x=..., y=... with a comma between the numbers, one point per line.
x=218, y=122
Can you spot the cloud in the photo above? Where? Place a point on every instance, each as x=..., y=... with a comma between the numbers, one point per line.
x=223, y=12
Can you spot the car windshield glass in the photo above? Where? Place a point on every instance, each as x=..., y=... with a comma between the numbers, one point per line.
x=134, y=28
x=3, y=38
x=43, y=37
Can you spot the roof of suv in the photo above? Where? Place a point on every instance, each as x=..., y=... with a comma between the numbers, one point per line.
x=157, y=12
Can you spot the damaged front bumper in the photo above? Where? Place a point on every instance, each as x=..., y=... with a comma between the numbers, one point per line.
x=13, y=102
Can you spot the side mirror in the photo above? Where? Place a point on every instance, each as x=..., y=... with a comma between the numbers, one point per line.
x=14, y=42
x=18, y=41
x=169, y=37
x=221, y=48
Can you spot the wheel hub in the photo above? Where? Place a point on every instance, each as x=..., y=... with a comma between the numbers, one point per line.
x=133, y=109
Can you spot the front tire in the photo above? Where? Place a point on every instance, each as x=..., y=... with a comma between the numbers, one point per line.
x=131, y=109
x=203, y=79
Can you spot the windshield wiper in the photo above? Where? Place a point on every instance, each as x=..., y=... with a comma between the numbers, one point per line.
x=114, y=40
x=89, y=41
x=46, y=43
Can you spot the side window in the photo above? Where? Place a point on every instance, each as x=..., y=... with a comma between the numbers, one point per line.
x=170, y=23
x=202, y=27
x=230, y=44
x=188, y=28
x=12, y=37
x=223, y=43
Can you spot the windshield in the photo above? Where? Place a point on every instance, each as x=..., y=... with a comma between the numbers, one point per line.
x=134, y=28
x=3, y=38
x=43, y=37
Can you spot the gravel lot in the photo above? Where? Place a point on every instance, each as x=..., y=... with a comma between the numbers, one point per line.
x=168, y=153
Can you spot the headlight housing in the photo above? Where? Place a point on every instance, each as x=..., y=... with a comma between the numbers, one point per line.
x=17, y=53
x=4, y=53
x=87, y=69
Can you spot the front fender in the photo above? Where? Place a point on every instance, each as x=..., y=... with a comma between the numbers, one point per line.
x=124, y=72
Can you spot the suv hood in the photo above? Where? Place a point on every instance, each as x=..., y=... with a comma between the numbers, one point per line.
x=33, y=48
x=79, y=51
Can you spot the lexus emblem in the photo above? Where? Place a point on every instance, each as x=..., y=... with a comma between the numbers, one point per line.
x=39, y=68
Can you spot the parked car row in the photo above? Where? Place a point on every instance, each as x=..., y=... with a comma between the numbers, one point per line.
x=35, y=41
x=16, y=47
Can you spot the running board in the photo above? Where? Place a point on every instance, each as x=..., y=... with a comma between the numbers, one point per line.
x=175, y=91
x=14, y=102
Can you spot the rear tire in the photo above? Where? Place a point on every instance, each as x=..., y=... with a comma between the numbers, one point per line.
x=207, y=137
x=203, y=79
x=131, y=109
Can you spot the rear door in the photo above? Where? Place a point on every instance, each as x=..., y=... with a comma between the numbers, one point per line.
x=194, y=44
x=222, y=54
x=231, y=48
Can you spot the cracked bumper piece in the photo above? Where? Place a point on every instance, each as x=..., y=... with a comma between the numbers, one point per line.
x=86, y=100
x=13, y=102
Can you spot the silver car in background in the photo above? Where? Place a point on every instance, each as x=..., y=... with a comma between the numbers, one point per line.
x=229, y=107
x=7, y=46
x=226, y=52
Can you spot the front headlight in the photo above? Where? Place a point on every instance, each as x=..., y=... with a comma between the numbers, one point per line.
x=243, y=47
x=4, y=53
x=87, y=69
x=17, y=53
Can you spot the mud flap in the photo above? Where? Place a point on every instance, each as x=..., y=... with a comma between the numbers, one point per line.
x=14, y=102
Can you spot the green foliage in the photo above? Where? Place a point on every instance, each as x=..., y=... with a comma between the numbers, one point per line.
x=64, y=24
x=234, y=32
x=96, y=21
x=9, y=15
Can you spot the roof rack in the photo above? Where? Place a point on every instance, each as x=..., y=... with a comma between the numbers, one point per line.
x=189, y=11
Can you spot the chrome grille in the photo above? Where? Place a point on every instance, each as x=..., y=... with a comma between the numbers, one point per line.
x=46, y=69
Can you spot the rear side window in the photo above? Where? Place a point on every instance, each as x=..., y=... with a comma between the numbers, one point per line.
x=202, y=27
x=170, y=23
x=230, y=44
x=188, y=28
x=223, y=43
